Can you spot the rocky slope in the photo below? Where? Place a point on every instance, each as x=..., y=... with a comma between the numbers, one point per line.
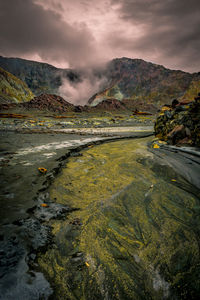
x=142, y=83
x=40, y=77
x=12, y=89
x=136, y=83
x=44, y=102
x=49, y=102
x=109, y=105
x=179, y=123
x=192, y=91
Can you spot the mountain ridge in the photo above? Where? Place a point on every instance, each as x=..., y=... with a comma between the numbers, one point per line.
x=135, y=82
x=142, y=81
x=40, y=77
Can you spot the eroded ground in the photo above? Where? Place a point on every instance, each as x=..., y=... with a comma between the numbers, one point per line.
x=113, y=221
x=29, y=142
x=136, y=233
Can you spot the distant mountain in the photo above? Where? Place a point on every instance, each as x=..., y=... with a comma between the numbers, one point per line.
x=40, y=77
x=140, y=83
x=12, y=89
x=137, y=84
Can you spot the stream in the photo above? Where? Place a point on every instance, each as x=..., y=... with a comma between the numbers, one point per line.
x=134, y=229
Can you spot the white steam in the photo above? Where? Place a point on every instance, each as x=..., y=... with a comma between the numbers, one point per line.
x=79, y=93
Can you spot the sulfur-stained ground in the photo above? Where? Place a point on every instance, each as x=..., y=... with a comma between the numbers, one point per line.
x=136, y=233
x=113, y=217
x=28, y=143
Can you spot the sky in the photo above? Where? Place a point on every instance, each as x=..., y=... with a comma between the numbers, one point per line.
x=87, y=33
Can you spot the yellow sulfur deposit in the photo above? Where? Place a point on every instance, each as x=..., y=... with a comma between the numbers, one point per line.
x=156, y=146
x=42, y=170
x=44, y=205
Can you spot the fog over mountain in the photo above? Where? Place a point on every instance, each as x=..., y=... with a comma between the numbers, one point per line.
x=134, y=82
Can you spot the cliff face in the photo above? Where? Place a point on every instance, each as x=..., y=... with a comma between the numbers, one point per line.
x=12, y=89
x=144, y=84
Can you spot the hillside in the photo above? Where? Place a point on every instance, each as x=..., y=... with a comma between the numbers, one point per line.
x=49, y=102
x=12, y=89
x=136, y=83
x=192, y=90
x=139, y=82
x=41, y=78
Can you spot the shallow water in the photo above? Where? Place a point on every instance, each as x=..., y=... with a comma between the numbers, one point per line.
x=110, y=130
x=135, y=234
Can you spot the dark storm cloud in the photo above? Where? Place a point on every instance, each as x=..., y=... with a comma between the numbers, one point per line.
x=86, y=32
x=171, y=28
x=28, y=29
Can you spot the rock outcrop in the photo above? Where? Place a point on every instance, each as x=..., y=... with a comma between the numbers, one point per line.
x=49, y=102
x=109, y=105
x=179, y=123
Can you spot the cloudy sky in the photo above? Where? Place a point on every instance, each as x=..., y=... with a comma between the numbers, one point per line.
x=79, y=33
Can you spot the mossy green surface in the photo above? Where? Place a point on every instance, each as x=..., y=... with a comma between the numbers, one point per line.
x=135, y=235
x=12, y=89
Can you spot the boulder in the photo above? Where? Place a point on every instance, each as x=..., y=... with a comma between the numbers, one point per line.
x=180, y=122
x=178, y=133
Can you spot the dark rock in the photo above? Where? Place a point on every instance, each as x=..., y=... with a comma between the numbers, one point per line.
x=176, y=134
x=34, y=233
x=76, y=221
x=110, y=105
x=51, y=211
x=49, y=102
x=180, y=108
x=180, y=124
x=174, y=103
x=168, y=114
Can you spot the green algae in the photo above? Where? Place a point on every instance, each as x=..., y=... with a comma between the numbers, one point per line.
x=137, y=231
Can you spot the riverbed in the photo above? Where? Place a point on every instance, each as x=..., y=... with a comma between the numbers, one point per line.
x=135, y=233
x=112, y=218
